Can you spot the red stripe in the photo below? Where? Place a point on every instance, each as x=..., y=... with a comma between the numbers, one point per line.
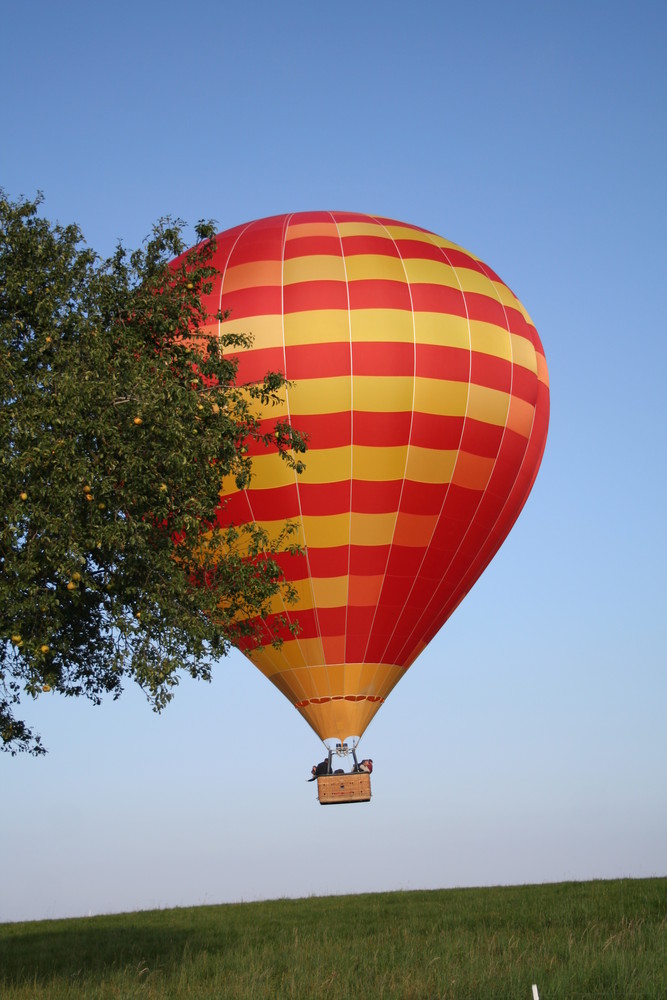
x=381, y=429
x=377, y=246
x=326, y=430
x=383, y=221
x=324, y=499
x=438, y=299
x=223, y=246
x=258, y=300
x=386, y=358
x=460, y=504
x=331, y=621
x=308, y=218
x=513, y=505
x=417, y=250
x=341, y=217
x=430, y=430
x=379, y=293
x=306, y=361
x=449, y=363
x=329, y=499
x=331, y=360
x=486, y=309
x=279, y=503
x=253, y=365
x=490, y=371
x=329, y=562
x=481, y=439
x=491, y=274
x=307, y=296
x=375, y=497
x=390, y=430
x=295, y=567
x=459, y=258
x=262, y=240
x=519, y=325
x=524, y=384
x=234, y=510
x=395, y=591
x=422, y=498
x=368, y=560
x=404, y=560
x=359, y=622
x=312, y=246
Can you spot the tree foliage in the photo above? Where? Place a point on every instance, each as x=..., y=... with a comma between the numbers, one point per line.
x=120, y=416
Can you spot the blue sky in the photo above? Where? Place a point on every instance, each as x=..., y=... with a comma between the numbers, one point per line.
x=528, y=743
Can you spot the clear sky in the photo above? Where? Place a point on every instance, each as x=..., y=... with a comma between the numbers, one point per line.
x=528, y=743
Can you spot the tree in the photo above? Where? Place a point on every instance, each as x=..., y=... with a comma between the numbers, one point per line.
x=120, y=416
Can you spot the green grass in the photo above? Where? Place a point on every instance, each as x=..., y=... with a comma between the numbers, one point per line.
x=574, y=940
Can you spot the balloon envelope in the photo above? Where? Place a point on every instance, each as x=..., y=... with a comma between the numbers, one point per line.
x=422, y=385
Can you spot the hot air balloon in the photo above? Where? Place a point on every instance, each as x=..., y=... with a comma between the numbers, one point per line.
x=422, y=385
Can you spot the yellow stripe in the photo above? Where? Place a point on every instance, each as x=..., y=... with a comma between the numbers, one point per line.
x=378, y=325
x=292, y=654
x=429, y=465
x=378, y=464
x=439, y=397
x=391, y=394
x=524, y=312
x=488, y=405
x=255, y=273
x=362, y=267
x=303, y=602
x=478, y=284
x=364, y=591
x=486, y=338
x=207, y=331
x=329, y=592
x=266, y=331
x=414, y=529
x=505, y=295
x=435, y=272
x=473, y=471
x=430, y=272
x=328, y=326
x=523, y=353
x=520, y=417
x=440, y=241
x=335, y=530
x=270, y=472
x=336, y=465
x=315, y=267
x=333, y=465
x=442, y=330
x=407, y=233
x=321, y=395
x=330, y=465
x=542, y=371
x=375, y=395
x=299, y=229
x=361, y=229
x=322, y=326
x=332, y=592
x=349, y=529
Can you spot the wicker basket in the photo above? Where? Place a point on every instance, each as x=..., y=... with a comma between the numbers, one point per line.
x=332, y=788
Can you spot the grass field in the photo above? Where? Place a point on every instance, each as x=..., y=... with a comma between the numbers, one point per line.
x=574, y=940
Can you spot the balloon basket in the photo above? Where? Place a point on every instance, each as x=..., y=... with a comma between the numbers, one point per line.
x=339, y=788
